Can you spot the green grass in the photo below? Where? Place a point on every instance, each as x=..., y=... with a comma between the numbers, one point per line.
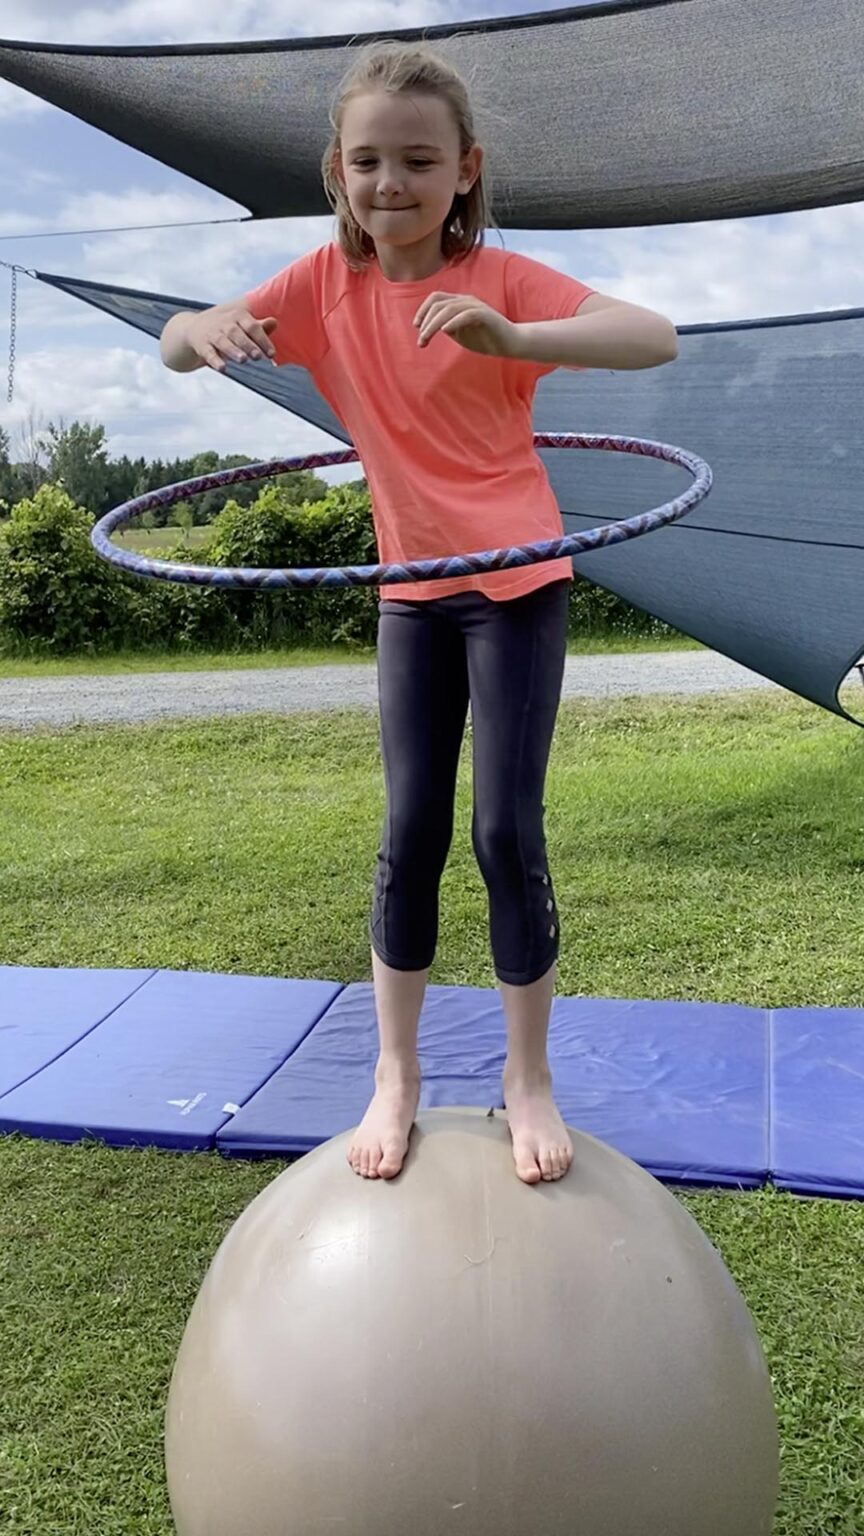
x=210, y=661
x=152, y=541
x=701, y=849
x=177, y=661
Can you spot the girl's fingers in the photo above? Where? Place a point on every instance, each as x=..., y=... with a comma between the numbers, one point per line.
x=425, y=321
x=259, y=345
x=260, y=337
x=464, y=317
x=233, y=337
x=430, y=299
x=243, y=346
x=430, y=311
x=434, y=312
x=438, y=317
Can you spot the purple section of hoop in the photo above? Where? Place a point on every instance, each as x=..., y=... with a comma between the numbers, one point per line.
x=416, y=570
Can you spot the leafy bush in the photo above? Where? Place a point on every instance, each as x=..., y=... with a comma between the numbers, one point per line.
x=275, y=532
x=54, y=594
x=57, y=596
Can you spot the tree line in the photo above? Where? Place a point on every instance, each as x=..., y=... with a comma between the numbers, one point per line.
x=76, y=458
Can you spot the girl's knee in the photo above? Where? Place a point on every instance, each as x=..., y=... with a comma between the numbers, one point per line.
x=505, y=848
x=418, y=835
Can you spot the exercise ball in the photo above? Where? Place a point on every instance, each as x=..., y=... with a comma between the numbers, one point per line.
x=455, y=1351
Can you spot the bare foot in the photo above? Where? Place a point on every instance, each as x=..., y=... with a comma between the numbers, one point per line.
x=542, y=1149
x=381, y=1139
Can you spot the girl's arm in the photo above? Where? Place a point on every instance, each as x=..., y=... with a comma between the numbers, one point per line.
x=606, y=333
x=211, y=337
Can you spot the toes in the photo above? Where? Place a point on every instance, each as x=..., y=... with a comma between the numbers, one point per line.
x=562, y=1157
x=392, y=1158
x=547, y=1164
x=527, y=1166
x=370, y=1157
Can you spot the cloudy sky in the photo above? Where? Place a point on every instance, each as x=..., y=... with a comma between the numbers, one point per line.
x=58, y=174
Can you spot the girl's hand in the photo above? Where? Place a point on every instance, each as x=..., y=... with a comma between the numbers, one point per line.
x=229, y=333
x=469, y=321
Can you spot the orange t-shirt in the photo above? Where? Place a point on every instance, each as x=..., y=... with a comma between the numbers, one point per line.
x=445, y=435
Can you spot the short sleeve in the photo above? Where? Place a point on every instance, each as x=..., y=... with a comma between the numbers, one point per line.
x=537, y=292
x=294, y=298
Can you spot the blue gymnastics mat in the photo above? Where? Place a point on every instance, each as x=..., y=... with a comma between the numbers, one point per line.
x=166, y=1059
x=44, y=1013
x=817, y=1120
x=682, y=1088
x=697, y=1093
x=325, y=1086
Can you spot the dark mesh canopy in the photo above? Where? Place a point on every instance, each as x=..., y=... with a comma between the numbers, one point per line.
x=770, y=569
x=628, y=113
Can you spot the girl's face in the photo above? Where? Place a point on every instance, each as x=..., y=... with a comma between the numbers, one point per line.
x=401, y=167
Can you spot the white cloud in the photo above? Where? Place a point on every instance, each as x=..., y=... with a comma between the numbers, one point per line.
x=210, y=261
x=46, y=312
x=116, y=22
x=152, y=22
x=205, y=262
x=792, y=263
x=37, y=181
x=145, y=254
x=146, y=409
x=17, y=103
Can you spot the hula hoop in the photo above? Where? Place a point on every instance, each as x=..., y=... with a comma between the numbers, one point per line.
x=416, y=570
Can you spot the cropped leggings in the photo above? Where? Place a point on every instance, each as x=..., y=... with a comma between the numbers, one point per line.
x=507, y=659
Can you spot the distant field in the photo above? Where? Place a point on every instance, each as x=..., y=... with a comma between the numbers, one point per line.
x=148, y=541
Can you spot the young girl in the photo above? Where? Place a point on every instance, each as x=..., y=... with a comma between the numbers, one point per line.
x=428, y=346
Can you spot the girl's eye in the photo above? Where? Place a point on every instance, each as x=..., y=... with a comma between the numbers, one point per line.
x=364, y=165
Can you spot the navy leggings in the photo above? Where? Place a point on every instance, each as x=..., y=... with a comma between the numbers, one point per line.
x=507, y=658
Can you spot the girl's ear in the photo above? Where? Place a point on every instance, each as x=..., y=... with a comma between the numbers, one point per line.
x=470, y=167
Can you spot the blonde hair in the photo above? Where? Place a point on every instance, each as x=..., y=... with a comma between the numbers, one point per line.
x=396, y=68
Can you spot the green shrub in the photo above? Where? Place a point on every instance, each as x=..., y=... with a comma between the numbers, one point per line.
x=594, y=611
x=275, y=532
x=56, y=595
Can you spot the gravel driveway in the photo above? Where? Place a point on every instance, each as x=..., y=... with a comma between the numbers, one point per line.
x=55, y=701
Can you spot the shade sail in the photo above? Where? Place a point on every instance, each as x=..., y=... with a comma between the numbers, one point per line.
x=629, y=113
x=770, y=569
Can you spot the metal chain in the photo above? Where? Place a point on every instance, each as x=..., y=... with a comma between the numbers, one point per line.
x=13, y=326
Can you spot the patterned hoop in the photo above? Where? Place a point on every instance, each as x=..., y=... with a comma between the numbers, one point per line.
x=415, y=570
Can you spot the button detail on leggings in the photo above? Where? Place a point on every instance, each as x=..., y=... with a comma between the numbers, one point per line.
x=545, y=879
x=550, y=904
x=552, y=931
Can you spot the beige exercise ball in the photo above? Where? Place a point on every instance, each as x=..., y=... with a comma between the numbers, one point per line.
x=455, y=1351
